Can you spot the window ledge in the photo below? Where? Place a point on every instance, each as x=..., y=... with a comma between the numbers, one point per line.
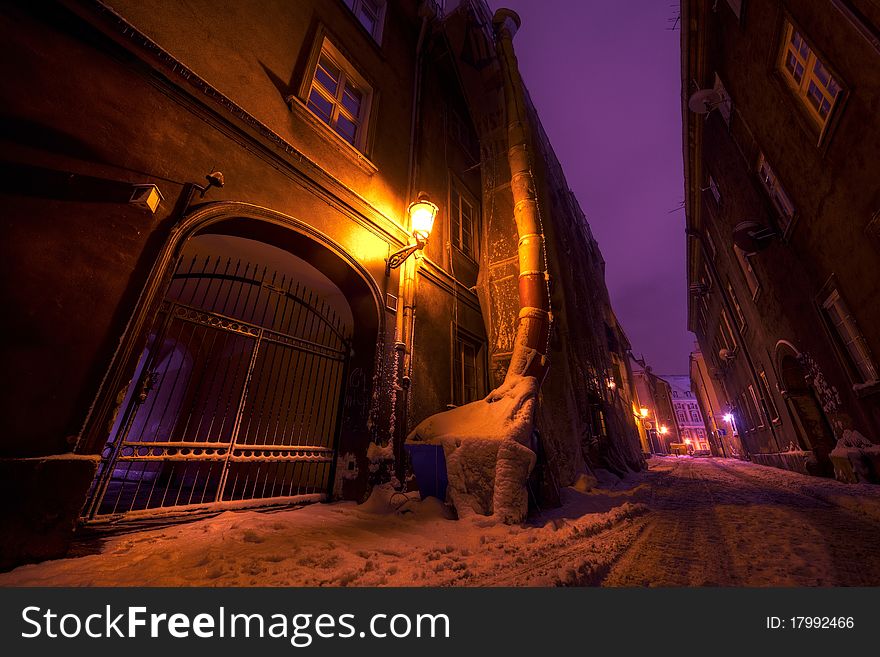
x=298, y=107
x=866, y=389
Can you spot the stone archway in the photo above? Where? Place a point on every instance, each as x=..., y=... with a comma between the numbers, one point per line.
x=250, y=330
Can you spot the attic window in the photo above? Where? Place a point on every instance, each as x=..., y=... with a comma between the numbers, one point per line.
x=371, y=14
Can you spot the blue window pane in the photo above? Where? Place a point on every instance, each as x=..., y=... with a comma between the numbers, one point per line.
x=821, y=73
x=351, y=100
x=320, y=105
x=328, y=75
x=346, y=128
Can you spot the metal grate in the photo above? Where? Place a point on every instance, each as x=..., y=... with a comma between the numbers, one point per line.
x=236, y=396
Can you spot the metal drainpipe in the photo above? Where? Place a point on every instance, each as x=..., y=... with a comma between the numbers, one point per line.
x=533, y=329
x=730, y=312
x=405, y=324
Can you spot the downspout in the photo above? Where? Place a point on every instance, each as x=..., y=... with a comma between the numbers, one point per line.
x=487, y=443
x=405, y=324
x=533, y=328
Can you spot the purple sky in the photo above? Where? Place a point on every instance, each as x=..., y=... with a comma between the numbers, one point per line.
x=605, y=77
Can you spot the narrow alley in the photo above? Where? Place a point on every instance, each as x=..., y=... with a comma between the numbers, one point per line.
x=686, y=522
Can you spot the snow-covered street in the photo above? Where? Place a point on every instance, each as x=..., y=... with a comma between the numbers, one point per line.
x=686, y=522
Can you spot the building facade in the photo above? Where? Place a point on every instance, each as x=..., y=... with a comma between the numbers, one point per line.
x=691, y=426
x=201, y=205
x=656, y=410
x=720, y=425
x=781, y=135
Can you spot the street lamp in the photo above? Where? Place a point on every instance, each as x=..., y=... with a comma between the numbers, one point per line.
x=728, y=418
x=643, y=411
x=421, y=216
x=663, y=430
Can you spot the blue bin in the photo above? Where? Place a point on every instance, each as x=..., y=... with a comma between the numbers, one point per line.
x=429, y=467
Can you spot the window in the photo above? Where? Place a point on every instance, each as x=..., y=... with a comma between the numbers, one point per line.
x=725, y=105
x=681, y=417
x=371, y=14
x=736, y=306
x=466, y=370
x=777, y=194
x=748, y=418
x=711, y=244
x=695, y=417
x=807, y=76
x=735, y=6
x=845, y=327
x=769, y=404
x=748, y=272
x=713, y=187
x=756, y=405
x=339, y=96
x=461, y=132
x=462, y=220
x=727, y=336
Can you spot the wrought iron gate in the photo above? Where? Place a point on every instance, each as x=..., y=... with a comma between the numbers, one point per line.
x=235, y=398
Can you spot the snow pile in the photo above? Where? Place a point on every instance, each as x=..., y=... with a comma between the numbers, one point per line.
x=391, y=540
x=854, y=457
x=484, y=442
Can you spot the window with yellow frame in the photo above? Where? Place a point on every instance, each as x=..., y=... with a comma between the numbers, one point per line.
x=808, y=77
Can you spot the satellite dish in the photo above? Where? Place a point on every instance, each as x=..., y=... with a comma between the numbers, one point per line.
x=751, y=237
x=704, y=101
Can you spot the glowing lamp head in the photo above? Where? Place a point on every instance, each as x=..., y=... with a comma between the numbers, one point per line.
x=663, y=430
x=728, y=417
x=421, y=217
x=643, y=411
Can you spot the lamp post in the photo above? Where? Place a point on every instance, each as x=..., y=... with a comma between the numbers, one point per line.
x=422, y=213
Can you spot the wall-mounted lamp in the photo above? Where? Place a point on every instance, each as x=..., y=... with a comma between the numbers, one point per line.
x=663, y=430
x=421, y=216
x=147, y=197
x=728, y=418
x=215, y=179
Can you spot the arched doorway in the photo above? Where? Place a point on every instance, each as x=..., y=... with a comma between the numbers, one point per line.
x=238, y=395
x=810, y=422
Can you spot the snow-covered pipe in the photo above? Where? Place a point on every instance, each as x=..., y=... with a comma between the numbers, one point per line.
x=533, y=328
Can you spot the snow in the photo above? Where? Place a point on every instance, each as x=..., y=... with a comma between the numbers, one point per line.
x=487, y=461
x=685, y=522
x=393, y=539
x=849, y=457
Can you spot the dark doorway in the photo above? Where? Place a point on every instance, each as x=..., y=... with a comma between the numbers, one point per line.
x=810, y=422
